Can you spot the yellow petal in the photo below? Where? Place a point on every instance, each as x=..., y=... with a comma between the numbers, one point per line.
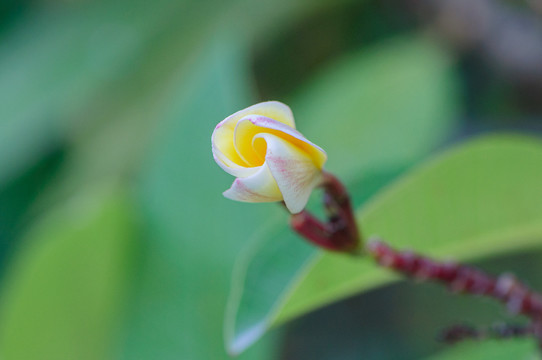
x=230, y=167
x=222, y=137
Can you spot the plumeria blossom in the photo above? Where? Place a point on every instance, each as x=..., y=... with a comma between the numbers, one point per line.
x=271, y=160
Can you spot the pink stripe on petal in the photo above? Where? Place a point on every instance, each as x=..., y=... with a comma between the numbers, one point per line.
x=294, y=171
x=273, y=110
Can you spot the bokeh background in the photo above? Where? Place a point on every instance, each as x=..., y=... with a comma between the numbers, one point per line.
x=115, y=241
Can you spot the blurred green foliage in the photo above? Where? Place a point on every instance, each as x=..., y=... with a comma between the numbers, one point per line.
x=66, y=291
x=116, y=242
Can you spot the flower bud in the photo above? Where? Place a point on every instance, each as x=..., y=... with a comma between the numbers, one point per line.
x=270, y=158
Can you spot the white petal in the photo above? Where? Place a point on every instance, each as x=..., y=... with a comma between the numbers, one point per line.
x=294, y=171
x=222, y=137
x=259, y=187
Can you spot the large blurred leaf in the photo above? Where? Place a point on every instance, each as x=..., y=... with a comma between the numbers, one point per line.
x=381, y=108
x=517, y=349
x=465, y=204
x=373, y=120
x=64, y=294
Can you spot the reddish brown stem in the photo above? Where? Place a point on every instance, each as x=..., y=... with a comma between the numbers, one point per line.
x=518, y=298
x=340, y=232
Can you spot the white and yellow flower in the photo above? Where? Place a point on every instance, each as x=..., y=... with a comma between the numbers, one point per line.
x=270, y=158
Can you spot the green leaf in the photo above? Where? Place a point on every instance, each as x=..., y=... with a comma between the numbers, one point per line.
x=375, y=113
x=63, y=296
x=465, y=204
x=520, y=349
